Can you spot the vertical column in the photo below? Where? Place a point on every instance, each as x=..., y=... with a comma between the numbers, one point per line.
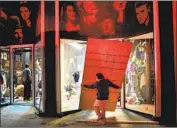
x=157, y=59
x=175, y=45
x=57, y=57
x=148, y=71
x=50, y=81
x=43, y=55
x=168, y=97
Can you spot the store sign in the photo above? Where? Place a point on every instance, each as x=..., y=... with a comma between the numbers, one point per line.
x=110, y=58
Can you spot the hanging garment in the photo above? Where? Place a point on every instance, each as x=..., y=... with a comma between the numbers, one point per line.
x=4, y=79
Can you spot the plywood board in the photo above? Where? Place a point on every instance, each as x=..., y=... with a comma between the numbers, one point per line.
x=109, y=57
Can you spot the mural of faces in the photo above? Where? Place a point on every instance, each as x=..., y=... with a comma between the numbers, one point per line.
x=19, y=22
x=142, y=13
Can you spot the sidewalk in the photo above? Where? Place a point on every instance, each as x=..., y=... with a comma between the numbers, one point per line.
x=24, y=116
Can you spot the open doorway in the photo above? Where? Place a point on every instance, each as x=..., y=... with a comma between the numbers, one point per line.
x=22, y=75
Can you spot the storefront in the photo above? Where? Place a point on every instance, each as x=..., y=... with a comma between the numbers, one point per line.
x=140, y=76
x=5, y=66
x=141, y=89
x=138, y=85
x=20, y=46
x=58, y=60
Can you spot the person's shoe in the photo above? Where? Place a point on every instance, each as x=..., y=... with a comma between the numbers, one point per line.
x=16, y=97
x=99, y=118
x=103, y=121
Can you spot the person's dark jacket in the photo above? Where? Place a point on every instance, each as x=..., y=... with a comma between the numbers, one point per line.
x=1, y=79
x=102, y=88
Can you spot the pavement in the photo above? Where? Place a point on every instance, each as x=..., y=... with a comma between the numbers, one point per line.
x=24, y=116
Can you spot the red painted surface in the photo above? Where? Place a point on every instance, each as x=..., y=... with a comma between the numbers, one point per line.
x=157, y=58
x=56, y=23
x=43, y=23
x=108, y=57
x=175, y=41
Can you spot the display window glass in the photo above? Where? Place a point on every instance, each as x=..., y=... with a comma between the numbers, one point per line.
x=140, y=78
x=38, y=77
x=72, y=64
x=4, y=75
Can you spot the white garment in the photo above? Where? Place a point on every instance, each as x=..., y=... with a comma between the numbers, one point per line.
x=4, y=79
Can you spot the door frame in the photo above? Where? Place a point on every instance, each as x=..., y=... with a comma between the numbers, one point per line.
x=11, y=71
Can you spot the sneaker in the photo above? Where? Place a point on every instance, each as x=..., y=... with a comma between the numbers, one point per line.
x=99, y=118
x=103, y=121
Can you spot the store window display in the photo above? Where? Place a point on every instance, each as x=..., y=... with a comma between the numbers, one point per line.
x=4, y=76
x=139, y=83
x=38, y=77
x=72, y=64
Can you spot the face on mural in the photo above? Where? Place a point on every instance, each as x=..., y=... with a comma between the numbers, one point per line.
x=71, y=14
x=107, y=26
x=18, y=35
x=142, y=13
x=119, y=5
x=90, y=7
x=25, y=13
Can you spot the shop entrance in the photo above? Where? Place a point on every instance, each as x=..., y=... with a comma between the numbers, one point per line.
x=74, y=58
x=73, y=55
x=22, y=75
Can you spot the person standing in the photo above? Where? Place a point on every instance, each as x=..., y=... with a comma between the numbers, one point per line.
x=102, y=86
x=27, y=82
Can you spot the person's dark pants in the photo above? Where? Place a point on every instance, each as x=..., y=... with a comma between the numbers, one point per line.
x=27, y=91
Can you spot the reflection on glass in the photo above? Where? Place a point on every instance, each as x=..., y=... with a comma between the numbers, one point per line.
x=38, y=76
x=139, y=79
x=4, y=75
x=72, y=65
